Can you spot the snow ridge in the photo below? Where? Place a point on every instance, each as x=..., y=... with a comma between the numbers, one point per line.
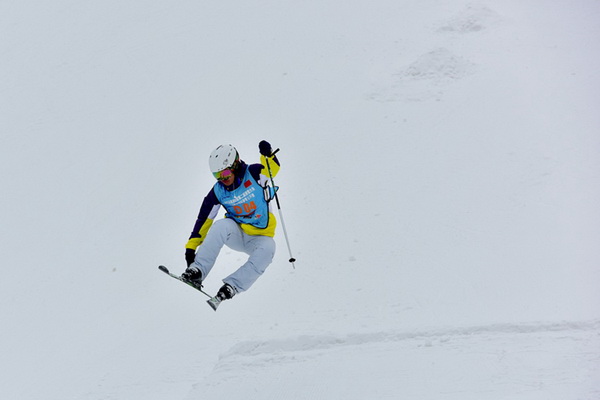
x=557, y=359
x=307, y=343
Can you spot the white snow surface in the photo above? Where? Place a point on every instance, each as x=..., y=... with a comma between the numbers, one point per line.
x=440, y=185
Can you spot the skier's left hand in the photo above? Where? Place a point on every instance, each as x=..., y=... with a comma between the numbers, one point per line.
x=265, y=148
x=190, y=256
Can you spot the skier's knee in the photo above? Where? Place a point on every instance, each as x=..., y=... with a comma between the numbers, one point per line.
x=223, y=228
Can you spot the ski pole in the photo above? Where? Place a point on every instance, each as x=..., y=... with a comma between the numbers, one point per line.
x=292, y=259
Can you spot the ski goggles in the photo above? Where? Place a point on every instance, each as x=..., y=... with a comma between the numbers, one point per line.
x=223, y=175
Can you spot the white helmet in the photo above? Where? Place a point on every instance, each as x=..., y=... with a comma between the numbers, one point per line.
x=223, y=157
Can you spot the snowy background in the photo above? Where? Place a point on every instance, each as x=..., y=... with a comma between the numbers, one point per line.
x=440, y=186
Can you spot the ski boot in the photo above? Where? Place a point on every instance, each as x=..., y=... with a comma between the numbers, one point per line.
x=193, y=275
x=226, y=292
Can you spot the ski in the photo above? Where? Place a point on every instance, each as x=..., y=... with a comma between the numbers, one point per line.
x=214, y=302
x=189, y=283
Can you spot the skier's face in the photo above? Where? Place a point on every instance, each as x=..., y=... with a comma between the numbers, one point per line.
x=226, y=177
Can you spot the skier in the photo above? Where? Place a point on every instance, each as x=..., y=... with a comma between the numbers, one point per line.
x=248, y=226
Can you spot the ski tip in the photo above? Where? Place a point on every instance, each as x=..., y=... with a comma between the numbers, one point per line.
x=163, y=268
x=213, y=303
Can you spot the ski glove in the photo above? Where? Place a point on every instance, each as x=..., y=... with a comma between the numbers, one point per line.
x=190, y=255
x=265, y=148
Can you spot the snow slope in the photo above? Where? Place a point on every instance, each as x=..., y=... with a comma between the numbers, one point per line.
x=440, y=183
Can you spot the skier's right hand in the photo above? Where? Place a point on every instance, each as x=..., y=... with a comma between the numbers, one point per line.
x=190, y=256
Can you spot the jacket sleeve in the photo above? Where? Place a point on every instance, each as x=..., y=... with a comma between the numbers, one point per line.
x=273, y=165
x=208, y=212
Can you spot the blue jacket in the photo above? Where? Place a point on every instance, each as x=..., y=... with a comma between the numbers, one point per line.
x=264, y=225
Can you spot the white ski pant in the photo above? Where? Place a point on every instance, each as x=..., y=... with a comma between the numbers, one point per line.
x=261, y=250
